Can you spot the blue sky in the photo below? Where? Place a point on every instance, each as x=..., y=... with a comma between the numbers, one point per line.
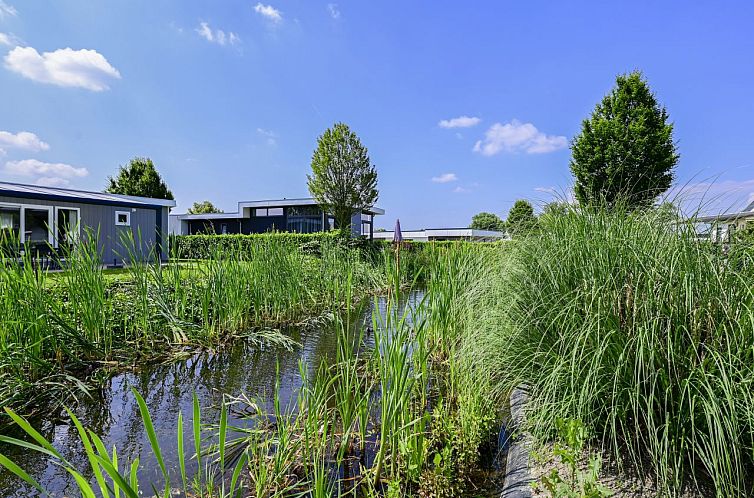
x=228, y=97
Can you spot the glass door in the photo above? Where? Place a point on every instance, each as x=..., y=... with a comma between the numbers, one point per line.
x=68, y=227
x=37, y=226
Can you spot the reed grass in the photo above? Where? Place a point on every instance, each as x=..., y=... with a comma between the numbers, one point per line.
x=386, y=421
x=630, y=324
x=55, y=325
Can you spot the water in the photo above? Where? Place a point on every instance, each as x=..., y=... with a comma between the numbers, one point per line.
x=113, y=413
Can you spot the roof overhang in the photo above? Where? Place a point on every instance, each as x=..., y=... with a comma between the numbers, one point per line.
x=80, y=196
x=209, y=216
x=724, y=217
x=307, y=201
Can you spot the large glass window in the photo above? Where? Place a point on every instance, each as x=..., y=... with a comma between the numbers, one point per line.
x=10, y=223
x=304, y=211
x=304, y=224
x=304, y=219
x=268, y=212
x=36, y=225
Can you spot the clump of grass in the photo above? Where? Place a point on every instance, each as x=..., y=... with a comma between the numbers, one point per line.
x=629, y=323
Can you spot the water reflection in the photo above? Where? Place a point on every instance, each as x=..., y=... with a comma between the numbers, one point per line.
x=167, y=389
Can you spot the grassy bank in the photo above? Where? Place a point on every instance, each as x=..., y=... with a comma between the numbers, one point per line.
x=57, y=328
x=626, y=322
x=403, y=418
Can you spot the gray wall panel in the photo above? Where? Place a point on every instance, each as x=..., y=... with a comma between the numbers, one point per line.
x=101, y=218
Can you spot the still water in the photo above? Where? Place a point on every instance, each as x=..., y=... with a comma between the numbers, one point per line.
x=113, y=414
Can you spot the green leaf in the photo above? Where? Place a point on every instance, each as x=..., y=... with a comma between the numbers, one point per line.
x=19, y=472
x=149, y=427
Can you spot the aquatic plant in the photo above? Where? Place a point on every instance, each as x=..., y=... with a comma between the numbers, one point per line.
x=385, y=421
x=55, y=325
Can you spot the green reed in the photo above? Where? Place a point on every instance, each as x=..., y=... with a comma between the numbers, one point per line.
x=629, y=323
x=52, y=323
x=84, y=284
x=405, y=400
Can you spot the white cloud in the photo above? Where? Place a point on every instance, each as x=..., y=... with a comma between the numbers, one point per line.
x=459, y=122
x=461, y=190
x=33, y=167
x=332, y=8
x=9, y=39
x=24, y=140
x=217, y=36
x=7, y=10
x=445, y=178
x=268, y=11
x=52, y=181
x=64, y=67
x=271, y=136
x=518, y=137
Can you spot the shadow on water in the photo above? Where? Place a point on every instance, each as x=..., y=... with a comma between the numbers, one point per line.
x=113, y=414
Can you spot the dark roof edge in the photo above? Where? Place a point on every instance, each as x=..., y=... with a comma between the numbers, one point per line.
x=73, y=200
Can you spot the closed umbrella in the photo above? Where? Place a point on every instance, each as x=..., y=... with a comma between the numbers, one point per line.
x=397, y=235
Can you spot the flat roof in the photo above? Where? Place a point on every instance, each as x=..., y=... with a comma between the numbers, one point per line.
x=207, y=216
x=442, y=232
x=266, y=203
x=21, y=190
x=301, y=201
x=724, y=217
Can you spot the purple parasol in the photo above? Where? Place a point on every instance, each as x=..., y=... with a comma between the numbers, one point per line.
x=397, y=235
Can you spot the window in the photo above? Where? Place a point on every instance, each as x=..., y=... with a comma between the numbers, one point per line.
x=304, y=224
x=67, y=226
x=123, y=218
x=304, y=211
x=224, y=228
x=29, y=224
x=268, y=212
x=10, y=223
x=37, y=223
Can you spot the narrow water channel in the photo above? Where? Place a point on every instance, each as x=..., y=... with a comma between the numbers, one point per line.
x=113, y=413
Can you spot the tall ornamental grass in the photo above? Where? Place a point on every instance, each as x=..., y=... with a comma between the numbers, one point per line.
x=629, y=323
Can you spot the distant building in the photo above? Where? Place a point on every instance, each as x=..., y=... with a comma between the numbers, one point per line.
x=430, y=234
x=721, y=228
x=48, y=218
x=285, y=215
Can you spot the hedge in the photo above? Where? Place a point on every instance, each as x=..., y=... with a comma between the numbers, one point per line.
x=205, y=246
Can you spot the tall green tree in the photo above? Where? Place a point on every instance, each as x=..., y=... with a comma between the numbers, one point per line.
x=625, y=152
x=487, y=221
x=140, y=178
x=521, y=219
x=204, y=207
x=343, y=178
x=556, y=208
